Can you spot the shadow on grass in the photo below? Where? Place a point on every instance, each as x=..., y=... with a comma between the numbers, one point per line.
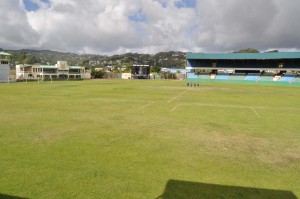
x=193, y=190
x=3, y=196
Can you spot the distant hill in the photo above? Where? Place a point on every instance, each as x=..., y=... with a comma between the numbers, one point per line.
x=172, y=59
x=50, y=57
x=247, y=50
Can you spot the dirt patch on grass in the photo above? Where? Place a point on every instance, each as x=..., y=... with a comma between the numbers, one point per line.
x=277, y=152
x=48, y=136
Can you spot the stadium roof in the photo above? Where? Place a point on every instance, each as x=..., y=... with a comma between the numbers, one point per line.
x=243, y=69
x=235, y=56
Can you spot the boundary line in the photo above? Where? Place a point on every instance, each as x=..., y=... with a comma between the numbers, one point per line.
x=178, y=96
x=240, y=107
x=175, y=107
x=255, y=112
x=227, y=106
x=142, y=107
x=217, y=105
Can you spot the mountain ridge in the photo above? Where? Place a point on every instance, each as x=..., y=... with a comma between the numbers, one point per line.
x=171, y=59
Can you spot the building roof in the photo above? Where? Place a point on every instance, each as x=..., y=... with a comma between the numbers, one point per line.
x=48, y=66
x=243, y=69
x=25, y=65
x=235, y=56
x=75, y=67
x=4, y=53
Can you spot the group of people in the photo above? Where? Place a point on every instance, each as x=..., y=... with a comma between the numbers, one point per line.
x=191, y=84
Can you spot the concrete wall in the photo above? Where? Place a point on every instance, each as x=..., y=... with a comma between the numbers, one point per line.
x=4, y=72
x=126, y=75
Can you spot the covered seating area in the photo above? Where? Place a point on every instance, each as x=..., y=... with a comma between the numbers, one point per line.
x=256, y=67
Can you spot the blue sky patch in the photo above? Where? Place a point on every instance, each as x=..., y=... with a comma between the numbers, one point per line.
x=185, y=4
x=191, y=30
x=138, y=17
x=31, y=6
x=164, y=3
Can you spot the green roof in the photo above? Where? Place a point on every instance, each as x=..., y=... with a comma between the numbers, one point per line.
x=4, y=53
x=232, y=56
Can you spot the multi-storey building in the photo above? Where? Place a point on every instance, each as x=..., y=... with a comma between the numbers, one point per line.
x=61, y=70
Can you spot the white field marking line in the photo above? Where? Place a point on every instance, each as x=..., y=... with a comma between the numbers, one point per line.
x=178, y=96
x=241, y=107
x=175, y=107
x=255, y=112
x=229, y=106
x=218, y=105
x=142, y=107
x=282, y=109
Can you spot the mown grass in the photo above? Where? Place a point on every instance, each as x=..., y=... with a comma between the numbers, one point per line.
x=127, y=139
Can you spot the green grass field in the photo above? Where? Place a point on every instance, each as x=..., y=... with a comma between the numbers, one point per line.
x=145, y=139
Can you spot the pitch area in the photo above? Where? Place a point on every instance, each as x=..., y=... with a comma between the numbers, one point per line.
x=149, y=139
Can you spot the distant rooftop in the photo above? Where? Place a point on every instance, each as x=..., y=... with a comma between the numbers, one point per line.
x=48, y=66
x=75, y=67
x=4, y=53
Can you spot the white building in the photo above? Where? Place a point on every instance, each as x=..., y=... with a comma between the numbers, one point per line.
x=4, y=67
x=126, y=75
x=61, y=70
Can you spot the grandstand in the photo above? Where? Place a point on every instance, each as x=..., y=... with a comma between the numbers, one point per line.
x=279, y=67
x=297, y=79
x=222, y=76
x=266, y=77
x=237, y=76
x=287, y=78
x=252, y=76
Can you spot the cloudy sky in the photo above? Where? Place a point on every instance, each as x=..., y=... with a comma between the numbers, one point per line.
x=149, y=26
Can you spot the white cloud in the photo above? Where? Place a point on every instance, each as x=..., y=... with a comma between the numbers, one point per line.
x=105, y=26
x=234, y=24
x=15, y=31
